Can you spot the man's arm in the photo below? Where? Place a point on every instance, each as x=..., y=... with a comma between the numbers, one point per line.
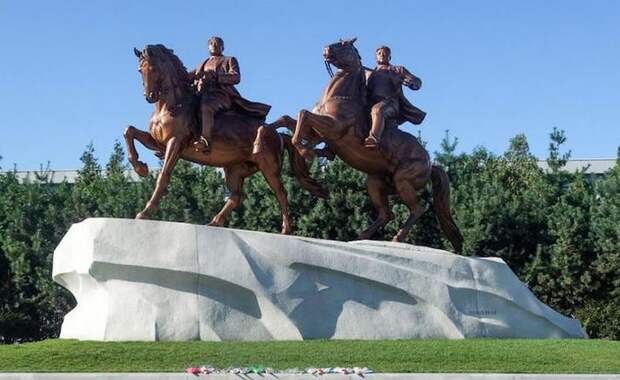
x=194, y=80
x=199, y=79
x=367, y=72
x=409, y=79
x=233, y=74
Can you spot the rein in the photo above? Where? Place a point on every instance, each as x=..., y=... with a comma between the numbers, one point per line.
x=329, y=69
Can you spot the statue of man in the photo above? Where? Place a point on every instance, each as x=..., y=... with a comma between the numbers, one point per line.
x=214, y=80
x=386, y=96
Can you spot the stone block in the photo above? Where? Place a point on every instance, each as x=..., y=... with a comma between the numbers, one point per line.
x=152, y=280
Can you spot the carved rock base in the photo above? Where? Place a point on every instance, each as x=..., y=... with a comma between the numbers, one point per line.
x=151, y=280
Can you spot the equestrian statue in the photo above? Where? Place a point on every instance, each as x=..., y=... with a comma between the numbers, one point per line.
x=357, y=118
x=200, y=117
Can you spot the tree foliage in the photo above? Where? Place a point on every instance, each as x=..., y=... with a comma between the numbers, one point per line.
x=558, y=231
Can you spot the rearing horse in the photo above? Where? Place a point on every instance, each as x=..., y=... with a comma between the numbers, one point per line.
x=173, y=126
x=401, y=165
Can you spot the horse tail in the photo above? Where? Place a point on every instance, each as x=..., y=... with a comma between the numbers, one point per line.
x=300, y=170
x=441, y=206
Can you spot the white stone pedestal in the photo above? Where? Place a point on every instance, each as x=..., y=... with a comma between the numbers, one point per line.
x=151, y=280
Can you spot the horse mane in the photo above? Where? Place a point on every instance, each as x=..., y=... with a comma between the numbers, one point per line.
x=168, y=61
x=359, y=57
x=362, y=127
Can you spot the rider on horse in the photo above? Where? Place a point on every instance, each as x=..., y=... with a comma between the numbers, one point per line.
x=214, y=80
x=386, y=95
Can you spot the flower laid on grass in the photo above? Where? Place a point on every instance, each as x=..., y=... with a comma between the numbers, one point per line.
x=260, y=370
x=193, y=371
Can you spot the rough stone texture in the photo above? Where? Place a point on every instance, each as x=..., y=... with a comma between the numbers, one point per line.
x=151, y=280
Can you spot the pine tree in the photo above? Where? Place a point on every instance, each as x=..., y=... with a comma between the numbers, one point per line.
x=446, y=156
x=30, y=218
x=346, y=212
x=88, y=188
x=605, y=231
x=209, y=193
x=562, y=276
x=119, y=194
x=556, y=160
x=178, y=202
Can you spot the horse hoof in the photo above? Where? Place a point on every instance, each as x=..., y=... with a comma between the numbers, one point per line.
x=286, y=230
x=141, y=168
x=141, y=215
x=215, y=223
x=399, y=237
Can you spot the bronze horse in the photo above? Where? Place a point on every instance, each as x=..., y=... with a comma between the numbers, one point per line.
x=400, y=166
x=174, y=126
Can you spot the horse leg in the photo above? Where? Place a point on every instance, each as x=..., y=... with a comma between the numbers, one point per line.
x=378, y=192
x=309, y=122
x=407, y=182
x=284, y=121
x=300, y=130
x=289, y=123
x=271, y=167
x=173, y=152
x=132, y=133
x=272, y=175
x=234, y=177
x=311, y=136
x=257, y=147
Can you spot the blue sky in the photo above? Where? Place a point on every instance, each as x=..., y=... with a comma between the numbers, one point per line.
x=490, y=69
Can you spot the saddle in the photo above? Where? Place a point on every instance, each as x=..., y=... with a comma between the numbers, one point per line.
x=232, y=113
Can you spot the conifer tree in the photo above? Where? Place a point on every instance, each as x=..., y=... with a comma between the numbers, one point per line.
x=118, y=196
x=88, y=188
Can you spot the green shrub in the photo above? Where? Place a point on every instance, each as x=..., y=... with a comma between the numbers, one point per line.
x=600, y=319
x=558, y=231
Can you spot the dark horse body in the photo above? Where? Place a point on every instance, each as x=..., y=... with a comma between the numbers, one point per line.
x=400, y=166
x=173, y=128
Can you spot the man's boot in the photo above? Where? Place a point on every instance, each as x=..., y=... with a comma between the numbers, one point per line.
x=203, y=144
x=376, y=129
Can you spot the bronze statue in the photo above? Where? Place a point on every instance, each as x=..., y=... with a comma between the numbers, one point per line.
x=214, y=81
x=401, y=167
x=386, y=96
x=173, y=127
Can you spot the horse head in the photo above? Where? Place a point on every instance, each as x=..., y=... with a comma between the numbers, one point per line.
x=161, y=71
x=151, y=73
x=342, y=54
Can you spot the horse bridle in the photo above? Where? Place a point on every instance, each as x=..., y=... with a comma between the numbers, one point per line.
x=328, y=66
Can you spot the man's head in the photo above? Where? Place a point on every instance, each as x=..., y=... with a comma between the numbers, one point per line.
x=216, y=46
x=383, y=55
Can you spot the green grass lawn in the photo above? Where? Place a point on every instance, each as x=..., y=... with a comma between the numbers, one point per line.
x=470, y=355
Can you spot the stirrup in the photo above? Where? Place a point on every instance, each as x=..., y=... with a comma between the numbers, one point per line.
x=371, y=141
x=202, y=145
